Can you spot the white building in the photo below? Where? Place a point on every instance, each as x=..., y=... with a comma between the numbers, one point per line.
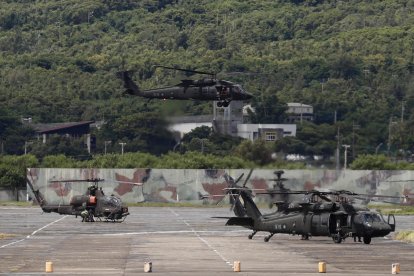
x=268, y=132
x=229, y=120
x=299, y=112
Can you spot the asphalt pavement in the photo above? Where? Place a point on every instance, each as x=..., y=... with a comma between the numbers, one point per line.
x=181, y=241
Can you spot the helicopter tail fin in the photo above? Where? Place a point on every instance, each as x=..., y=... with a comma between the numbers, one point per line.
x=250, y=206
x=131, y=87
x=39, y=197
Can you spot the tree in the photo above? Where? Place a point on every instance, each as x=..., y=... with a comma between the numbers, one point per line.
x=13, y=171
x=61, y=145
x=13, y=134
x=143, y=132
x=372, y=162
x=267, y=110
x=258, y=151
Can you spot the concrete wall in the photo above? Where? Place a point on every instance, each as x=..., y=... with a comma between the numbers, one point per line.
x=9, y=195
x=173, y=185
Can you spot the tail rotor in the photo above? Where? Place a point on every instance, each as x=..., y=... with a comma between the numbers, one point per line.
x=234, y=191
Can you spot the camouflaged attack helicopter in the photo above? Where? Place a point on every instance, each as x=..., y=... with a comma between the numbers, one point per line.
x=206, y=89
x=331, y=214
x=92, y=205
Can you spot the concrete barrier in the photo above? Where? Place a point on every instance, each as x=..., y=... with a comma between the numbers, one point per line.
x=148, y=267
x=395, y=268
x=236, y=266
x=49, y=267
x=322, y=267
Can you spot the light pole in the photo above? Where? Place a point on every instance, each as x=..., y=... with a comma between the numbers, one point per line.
x=106, y=143
x=90, y=14
x=122, y=148
x=25, y=146
x=345, y=155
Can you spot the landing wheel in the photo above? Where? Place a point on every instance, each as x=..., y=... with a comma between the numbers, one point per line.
x=252, y=234
x=226, y=104
x=337, y=238
x=367, y=240
x=219, y=104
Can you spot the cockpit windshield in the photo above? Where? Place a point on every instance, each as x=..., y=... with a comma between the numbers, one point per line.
x=236, y=88
x=113, y=201
x=371, y=217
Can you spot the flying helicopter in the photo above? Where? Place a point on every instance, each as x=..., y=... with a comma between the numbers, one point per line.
x=93, y=204
x=316, y=215
x=205, y=89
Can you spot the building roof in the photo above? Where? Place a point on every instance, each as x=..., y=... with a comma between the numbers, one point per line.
x=298, y=105
x=54, y=127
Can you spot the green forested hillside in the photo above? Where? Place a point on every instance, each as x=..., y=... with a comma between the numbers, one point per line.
x=352, y=58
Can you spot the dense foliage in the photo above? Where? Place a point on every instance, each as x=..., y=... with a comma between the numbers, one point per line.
x=351, y=60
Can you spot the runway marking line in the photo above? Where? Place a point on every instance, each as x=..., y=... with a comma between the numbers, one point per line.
x=173, y=232
x=196, y=233
x=33, y=233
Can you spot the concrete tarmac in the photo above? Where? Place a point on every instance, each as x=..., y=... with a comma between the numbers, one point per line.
x=181, y=241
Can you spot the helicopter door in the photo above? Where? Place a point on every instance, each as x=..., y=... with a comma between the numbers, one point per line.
x=391, y=218
x=336, y=222
x=320, y=225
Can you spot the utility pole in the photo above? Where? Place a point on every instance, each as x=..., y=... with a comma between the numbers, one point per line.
x=345, y=155
x=354, y=127
x=122, y=148
x=389, y=136
x=337, y=151
x=106, y=144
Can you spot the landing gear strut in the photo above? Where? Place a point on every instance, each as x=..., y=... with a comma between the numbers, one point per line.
x=223, y=104
x=252, y=235
x=367, y=240
x=305, y=237
x=266, y=239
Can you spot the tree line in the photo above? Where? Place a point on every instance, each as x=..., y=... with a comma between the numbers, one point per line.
x=351, y=60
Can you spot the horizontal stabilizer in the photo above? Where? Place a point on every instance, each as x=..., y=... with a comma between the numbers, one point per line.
x=246, y=222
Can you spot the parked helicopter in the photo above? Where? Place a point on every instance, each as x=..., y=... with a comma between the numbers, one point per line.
x=207, y=89
x=93, y=204
x=317, y=215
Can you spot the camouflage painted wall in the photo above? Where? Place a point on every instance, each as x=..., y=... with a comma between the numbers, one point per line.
x=172, y=185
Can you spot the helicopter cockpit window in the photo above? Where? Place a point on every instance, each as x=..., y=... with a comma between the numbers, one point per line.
x=372, y=218
x=113, y=201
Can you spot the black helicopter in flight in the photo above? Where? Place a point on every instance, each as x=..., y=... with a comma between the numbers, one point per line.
x=206, y=89
x=317, y=215
x=93, y=204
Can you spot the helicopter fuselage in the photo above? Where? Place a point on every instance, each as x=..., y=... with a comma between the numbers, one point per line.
x=335, y=220
x=93, y=204
x=207, y=89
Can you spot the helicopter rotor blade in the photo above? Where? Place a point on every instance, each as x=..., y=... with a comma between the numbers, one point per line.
x=247, y=178
x=186, y=70
x=238, y=179
x=78, y=180
x=129, y=182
